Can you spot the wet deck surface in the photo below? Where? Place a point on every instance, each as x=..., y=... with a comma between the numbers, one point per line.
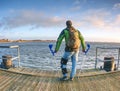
x=25, y=79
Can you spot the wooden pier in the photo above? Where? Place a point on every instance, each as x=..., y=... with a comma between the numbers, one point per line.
x=26, y=79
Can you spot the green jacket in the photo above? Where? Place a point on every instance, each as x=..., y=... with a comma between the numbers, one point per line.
x=65, y=34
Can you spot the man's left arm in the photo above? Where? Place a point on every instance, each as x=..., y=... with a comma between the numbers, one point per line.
x=82, y=42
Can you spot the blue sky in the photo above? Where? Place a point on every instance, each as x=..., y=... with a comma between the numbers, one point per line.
x=98, y=20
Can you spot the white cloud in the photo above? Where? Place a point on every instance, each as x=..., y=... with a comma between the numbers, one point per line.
x=99, y=20
x=117, y=20
x=34, y=18
x=94, y=19
x=116, y=6
x=75, y=8
x=77, y=2
x=0, y=24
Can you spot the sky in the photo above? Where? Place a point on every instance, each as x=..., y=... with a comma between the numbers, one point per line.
x=97, y=20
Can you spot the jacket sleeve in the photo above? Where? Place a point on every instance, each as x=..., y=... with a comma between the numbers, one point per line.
x=59, y=40
x=82, y=41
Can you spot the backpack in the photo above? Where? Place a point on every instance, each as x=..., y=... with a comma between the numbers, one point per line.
x=73, y=40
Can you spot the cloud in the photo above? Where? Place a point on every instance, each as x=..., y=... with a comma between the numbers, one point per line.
x=26, y=18
x=75, y=8
x=116, y=6
x=76, y=2
x=100, y=20
x=0, y=24
x=95, y=18
x=117, y=20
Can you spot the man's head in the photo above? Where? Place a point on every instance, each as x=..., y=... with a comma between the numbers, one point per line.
x=68, y=23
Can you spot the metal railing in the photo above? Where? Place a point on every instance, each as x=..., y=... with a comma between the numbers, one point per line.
x=18, y=53
x=118, y=59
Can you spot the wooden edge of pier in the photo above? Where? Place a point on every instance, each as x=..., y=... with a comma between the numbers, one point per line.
x=42, y=73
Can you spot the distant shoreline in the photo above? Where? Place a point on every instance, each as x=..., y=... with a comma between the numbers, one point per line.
x=39, y=40
x=20, y=40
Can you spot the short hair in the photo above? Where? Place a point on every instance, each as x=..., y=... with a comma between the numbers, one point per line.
x=68, y=23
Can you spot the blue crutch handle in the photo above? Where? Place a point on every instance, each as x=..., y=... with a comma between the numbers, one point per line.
x=88, y=47
x=50, y=47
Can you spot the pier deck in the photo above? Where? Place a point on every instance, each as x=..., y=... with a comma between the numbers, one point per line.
x=26, y=79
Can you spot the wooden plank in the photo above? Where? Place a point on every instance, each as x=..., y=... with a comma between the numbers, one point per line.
x=13, y=84
x=6, y=82
x=10, y=81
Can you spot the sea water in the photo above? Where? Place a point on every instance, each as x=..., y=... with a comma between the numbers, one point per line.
x=37, y=55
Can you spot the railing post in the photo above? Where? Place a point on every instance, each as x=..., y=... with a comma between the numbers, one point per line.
x=96, y=59
x=18, y=56
x=118, y=58
x=18, y=53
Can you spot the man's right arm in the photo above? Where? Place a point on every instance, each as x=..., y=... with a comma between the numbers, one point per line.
x=59, y=41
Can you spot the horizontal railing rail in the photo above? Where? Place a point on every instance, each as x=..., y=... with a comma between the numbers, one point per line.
x=97, y=59
x=18, y=53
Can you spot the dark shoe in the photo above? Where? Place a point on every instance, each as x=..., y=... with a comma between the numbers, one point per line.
x=71, y=78
x=64, y=78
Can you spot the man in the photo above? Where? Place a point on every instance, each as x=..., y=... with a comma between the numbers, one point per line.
x=73, y=40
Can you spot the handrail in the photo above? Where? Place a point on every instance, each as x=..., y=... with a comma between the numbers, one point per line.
x=108, y=47
x=18, y=53
x=16, y=46
x=118, y=48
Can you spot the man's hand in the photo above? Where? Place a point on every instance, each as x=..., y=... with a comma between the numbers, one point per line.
x=55, y=51
x=83, y=50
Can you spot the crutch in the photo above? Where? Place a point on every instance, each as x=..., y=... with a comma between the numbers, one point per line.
x=53, y=53
x=83, y=61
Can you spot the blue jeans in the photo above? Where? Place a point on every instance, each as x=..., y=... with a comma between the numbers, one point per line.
x=74, y=59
